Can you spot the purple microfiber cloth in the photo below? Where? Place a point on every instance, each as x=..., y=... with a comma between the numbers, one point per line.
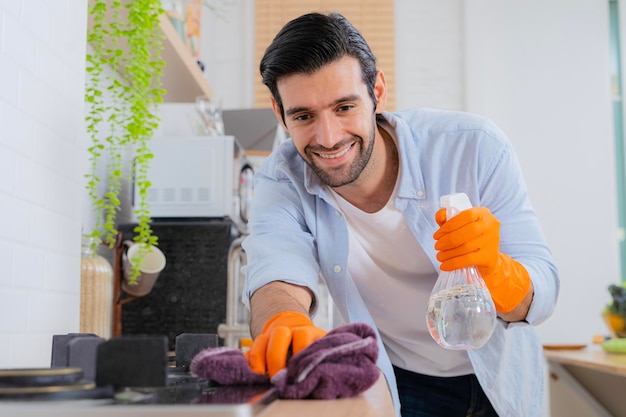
x=339, y=365
x=226, y=366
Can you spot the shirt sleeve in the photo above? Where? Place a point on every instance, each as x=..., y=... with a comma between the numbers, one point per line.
x=280, y=246
x=503, y=190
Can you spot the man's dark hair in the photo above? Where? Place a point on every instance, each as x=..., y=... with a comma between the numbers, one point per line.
x=307, y=43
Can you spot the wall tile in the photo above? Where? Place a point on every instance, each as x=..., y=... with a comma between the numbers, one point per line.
x=17, y=129
x=53, y=231
x=15, y=220
x=6, y=256
x=74, y=87
x=19, y=44
x=76, y=18
x=50, y=69
x=57, y=267
x=2, y=17
x=50, y=148
x=7, y=171
x=13, y=310
x=43, y=310
x=63, y=118
x=69, y=33
x=53, y=312
x=30, y=350
x=36, y=98
x=37, y=20
x=4, y=350
x=62, y=195
x=9, y=80
x=30, y=181
x=69, y=317
x=28, y=267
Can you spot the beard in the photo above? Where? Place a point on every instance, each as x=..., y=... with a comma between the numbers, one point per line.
x=345, y=174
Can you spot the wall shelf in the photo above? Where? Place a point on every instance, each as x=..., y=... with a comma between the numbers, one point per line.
x=182, y=78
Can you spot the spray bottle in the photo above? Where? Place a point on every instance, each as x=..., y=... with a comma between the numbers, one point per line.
x=461, y=314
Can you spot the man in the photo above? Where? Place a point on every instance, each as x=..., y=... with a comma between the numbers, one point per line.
x=353, y=197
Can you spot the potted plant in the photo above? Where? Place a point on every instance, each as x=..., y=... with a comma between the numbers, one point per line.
x=614, y=313
x=121, y=115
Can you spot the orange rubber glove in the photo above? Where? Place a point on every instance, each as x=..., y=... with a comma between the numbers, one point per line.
x=283, y=335
x=472, y=237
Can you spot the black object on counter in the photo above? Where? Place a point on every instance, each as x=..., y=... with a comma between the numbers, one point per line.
x=82, y=354
x=61, y=345
x=132, y=362
x=189, y=344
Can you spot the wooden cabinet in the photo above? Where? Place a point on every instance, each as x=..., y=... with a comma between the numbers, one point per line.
x=586, y=383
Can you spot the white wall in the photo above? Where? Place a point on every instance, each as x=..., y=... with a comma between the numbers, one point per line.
x=429, y=54
x=227, y=50
x=42, y=55
x=541, y=71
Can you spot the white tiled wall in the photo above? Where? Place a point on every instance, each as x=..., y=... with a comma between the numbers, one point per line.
x=42, y=160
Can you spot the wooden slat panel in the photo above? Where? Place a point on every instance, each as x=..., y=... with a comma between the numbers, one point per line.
x=374, y=19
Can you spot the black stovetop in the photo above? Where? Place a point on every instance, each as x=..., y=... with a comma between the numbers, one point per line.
x=128, y=373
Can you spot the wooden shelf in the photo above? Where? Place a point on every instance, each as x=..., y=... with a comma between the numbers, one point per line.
x=182, y=78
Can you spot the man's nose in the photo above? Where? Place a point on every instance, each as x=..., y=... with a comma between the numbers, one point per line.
x=329, y=130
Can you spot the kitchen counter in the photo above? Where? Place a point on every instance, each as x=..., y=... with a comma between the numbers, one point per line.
x=375, y=402
x=586, y=382
x=592, y=357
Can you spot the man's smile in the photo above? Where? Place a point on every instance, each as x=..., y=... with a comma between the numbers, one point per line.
x=335, y=155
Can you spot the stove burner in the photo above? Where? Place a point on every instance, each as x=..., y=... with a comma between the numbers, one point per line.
x=48, y=384
x=38, y=377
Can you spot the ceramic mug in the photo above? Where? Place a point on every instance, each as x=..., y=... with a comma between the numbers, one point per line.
x=153, y=263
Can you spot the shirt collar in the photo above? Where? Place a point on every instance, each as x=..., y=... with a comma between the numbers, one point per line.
x=411, y=181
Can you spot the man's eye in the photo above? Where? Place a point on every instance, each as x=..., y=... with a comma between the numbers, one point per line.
x=302, y=117
x=346, y=107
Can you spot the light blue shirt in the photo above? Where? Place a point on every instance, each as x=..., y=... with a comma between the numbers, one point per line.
x=297, y=234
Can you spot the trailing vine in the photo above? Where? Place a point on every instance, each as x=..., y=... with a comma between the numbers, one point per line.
x=122, y=109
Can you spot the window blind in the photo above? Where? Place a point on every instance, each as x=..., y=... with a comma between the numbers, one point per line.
x=373, y=18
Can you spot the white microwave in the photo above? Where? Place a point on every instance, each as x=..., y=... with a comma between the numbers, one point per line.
x=199, y=177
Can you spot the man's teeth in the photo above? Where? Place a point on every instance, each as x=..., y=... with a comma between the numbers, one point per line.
x=337, y=155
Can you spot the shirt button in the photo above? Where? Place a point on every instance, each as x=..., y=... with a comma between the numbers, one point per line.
x=337, y=213
x=337, y=269
x=420, y=193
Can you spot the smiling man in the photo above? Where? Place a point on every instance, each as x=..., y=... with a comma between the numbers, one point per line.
x=353, y=198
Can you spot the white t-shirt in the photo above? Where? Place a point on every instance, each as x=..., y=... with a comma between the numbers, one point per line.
x=395, y=278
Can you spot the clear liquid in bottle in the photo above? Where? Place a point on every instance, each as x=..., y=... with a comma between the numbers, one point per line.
x=461, y=314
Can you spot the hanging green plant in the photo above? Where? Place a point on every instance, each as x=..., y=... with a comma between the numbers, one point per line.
x=122, y=109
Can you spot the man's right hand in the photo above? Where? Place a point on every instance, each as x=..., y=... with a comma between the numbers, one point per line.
x=283, y=335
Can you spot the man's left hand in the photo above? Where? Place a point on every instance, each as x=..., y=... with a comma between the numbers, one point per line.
x=472, y=238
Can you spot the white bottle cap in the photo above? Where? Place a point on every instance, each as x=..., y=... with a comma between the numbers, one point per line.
x=459, y=201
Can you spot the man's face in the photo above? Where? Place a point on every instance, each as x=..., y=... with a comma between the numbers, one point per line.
x=331, y=119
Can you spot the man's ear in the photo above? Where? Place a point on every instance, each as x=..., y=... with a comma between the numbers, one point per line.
x=278, y=114
x=380, y=91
